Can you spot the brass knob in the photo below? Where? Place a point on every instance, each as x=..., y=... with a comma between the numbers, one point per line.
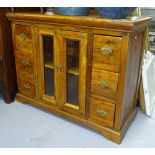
x=103, y=84
x=26, y=63
x=27, y=86
x=106, y=51
x=101, y=113
x=58, y=67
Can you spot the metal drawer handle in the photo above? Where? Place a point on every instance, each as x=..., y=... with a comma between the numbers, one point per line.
x=27, y=86
x=103, y=84
x=26, y=63
x=101, y=113
x=106, y=51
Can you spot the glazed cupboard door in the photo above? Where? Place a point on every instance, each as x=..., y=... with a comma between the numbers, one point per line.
x=47, y=60
x=73, y=74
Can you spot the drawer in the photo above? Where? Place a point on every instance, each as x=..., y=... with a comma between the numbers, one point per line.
x=23, y=39
x=24, y=65
x=106, y=52
x=26, y=87
x=104, y=85
x=102, y=112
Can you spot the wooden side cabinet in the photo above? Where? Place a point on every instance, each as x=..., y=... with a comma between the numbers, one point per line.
x=84, y=68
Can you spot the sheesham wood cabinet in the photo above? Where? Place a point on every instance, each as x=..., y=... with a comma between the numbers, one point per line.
x=83, y=68
x=8, y=83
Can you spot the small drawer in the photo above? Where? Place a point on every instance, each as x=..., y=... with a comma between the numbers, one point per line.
x=106, y=52
x=102, y=112
x=26, y=87
x=24, y=65
x=104, y=85
x=23, y=39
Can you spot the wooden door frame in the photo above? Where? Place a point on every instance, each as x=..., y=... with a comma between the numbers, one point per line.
x=49, y=99
x=82, y=38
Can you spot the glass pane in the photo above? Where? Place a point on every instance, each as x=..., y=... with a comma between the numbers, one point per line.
x=48, y=64
x=49, y=81
x=72, y=51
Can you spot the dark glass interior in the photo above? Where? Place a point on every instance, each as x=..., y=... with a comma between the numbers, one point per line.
x=72, y=51
x=49, y=81
x=48, y=64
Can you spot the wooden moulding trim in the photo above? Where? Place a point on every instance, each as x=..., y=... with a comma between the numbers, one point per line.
x=123, y=24
x=108, y=133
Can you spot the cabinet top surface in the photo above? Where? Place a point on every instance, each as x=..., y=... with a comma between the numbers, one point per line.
x=128, y=24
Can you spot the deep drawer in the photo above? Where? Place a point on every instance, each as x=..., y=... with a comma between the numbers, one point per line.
x=102, y=112
x=106, y=52
x=26, y=87
x=23, y=39
x=104, y=85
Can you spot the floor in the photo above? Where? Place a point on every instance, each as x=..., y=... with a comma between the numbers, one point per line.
x=22, y=125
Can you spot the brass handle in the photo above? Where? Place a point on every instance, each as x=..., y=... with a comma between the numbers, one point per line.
x=27, y=86
x=58, y=67
x=103, y=84
x=106, y=51
x=26, y=63
x=101, y=113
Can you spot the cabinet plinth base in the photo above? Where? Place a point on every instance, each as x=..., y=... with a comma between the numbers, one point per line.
x=110, y=134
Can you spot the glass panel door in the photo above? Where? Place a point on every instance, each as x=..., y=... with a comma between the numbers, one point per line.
x=47, y=73
x=73, y=71
x=48, y=61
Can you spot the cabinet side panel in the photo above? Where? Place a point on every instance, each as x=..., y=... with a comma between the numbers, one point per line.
x=9, y=73
x=132, y=74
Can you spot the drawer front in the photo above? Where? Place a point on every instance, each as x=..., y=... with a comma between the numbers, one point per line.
x=106, y=52
x=23, y=39
x=104, y=85
x=102, y=112
x=24, y=65
x=26, y=87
